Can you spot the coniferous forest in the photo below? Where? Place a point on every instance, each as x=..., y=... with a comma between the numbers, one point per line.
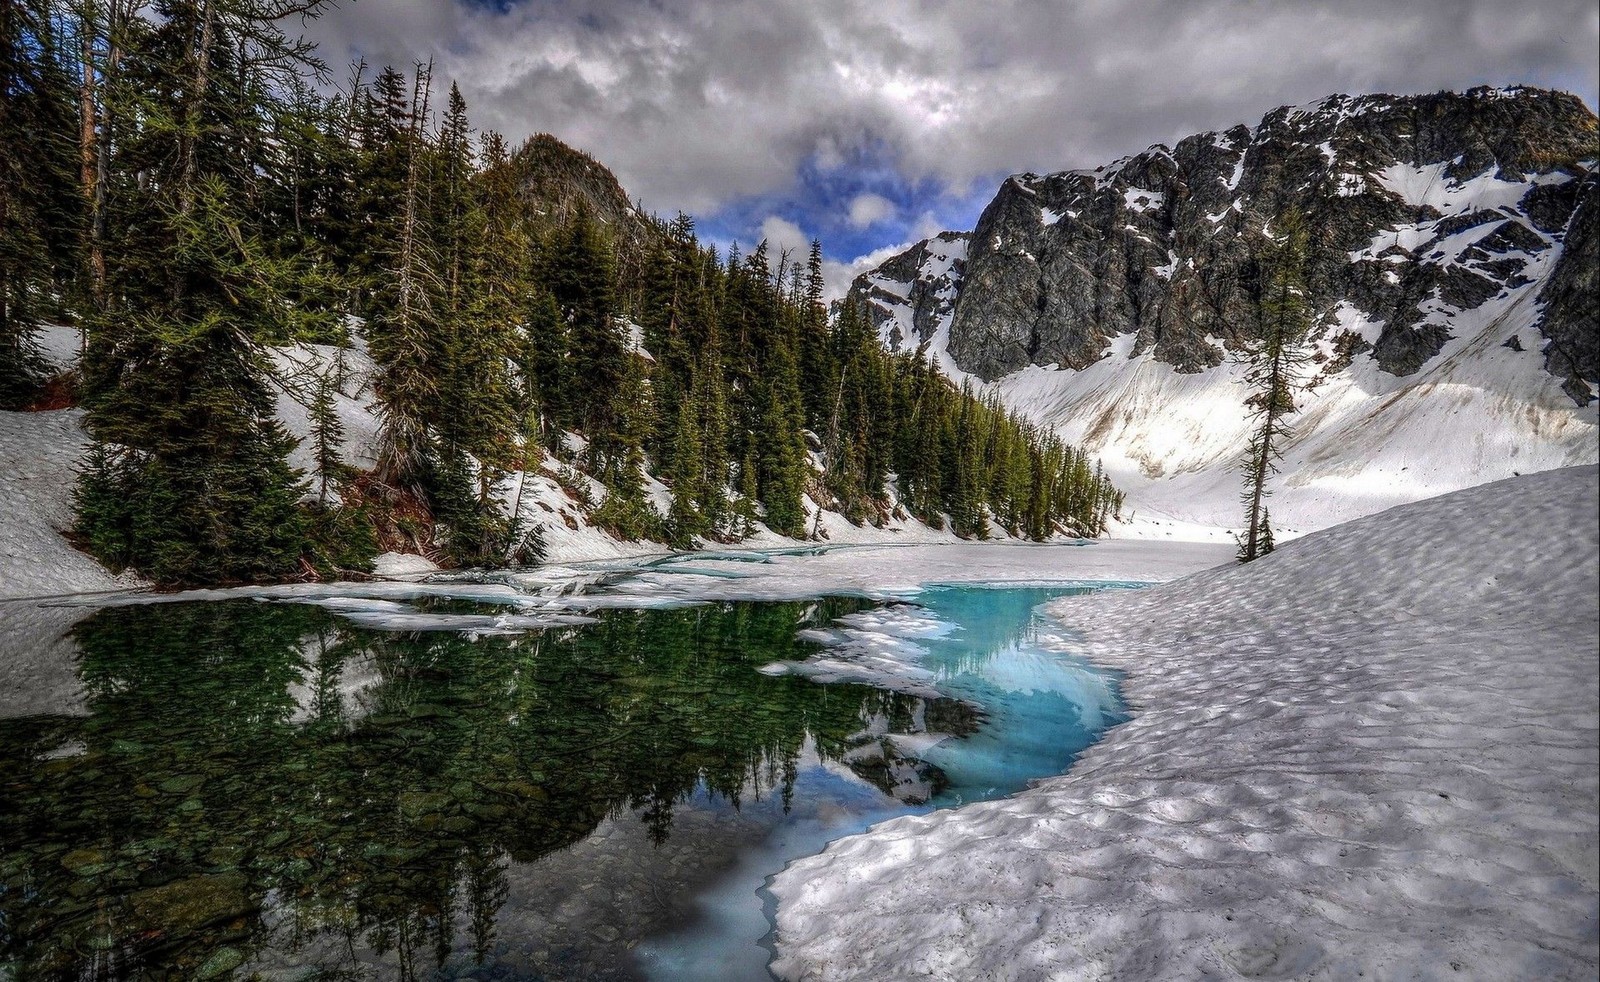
x=189, y=186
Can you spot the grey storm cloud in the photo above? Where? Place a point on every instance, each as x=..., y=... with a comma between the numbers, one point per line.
x=699, y=102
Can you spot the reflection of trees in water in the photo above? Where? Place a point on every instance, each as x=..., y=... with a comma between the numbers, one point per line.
x=226, y=758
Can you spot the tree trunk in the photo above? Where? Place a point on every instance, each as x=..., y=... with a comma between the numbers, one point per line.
x=190, y=139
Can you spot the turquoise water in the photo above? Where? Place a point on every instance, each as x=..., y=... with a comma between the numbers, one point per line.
x=268, y=790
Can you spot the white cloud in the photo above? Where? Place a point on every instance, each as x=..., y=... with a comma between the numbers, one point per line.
x=837, y=276
x=783, y=236
x=695, y=103
x=926, y=227
x=869, y=209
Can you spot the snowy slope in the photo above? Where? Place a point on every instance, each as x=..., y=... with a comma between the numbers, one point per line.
x=1371, y=754
x=1364, y=439
x=40, y=454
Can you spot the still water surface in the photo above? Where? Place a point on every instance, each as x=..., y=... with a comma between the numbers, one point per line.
x=268, y=790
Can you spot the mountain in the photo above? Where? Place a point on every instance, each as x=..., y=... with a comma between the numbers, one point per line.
x=1452, y=267
x=556, y=181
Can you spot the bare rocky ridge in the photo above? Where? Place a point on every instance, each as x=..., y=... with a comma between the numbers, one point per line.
x=1420, y=208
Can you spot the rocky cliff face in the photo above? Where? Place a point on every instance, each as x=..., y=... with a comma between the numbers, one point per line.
x=1419, y=207
x=1453, y=263
x=1571, y=298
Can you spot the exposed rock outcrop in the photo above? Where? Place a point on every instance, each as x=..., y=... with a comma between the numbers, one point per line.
x=1420, y=207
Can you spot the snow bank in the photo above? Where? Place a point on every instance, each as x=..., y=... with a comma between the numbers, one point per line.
x=400, y=566
x=41, y=453
x=1373, y=752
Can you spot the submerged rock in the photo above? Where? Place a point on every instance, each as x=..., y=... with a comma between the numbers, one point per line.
x=189, y=904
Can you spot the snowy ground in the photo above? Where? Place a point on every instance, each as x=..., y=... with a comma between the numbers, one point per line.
x=1371, y=754
x=1364, y=440
x=40, y=452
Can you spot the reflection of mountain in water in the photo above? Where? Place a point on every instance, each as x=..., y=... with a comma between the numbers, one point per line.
x=265, y=785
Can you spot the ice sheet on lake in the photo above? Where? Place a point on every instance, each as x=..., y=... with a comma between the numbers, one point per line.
x=513, y=602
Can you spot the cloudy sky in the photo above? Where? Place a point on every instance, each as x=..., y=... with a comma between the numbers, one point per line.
x=872, y=123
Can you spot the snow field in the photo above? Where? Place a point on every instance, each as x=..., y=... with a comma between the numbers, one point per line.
x=1371, y=754
x=39, y=454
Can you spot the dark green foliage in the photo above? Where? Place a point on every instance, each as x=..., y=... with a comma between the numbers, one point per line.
x=1273, y=365
x=543, y=362
x=339, y=540
x=195, y=516
x=179, y=401
x=41, y=209
x=477, y=533
x=576, y=268
x=327, y=434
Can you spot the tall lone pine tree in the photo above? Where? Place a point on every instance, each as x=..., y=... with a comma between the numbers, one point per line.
x=1273, y=363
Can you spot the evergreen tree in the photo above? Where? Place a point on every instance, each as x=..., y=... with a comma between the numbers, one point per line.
x=544, y=364
x=404, y=333
x=578, y=270
x=687, y=518
x=41, y=209
x=1272, y=367
x=188, y=446
x=327, y=435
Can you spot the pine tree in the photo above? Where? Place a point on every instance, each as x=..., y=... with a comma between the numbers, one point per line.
x=712, y=408
x=327, y=435
x=578, y=269
x=179, y=406
x=545, y=369
x=41, y=209
x=403, y=331
x=1273, y=363
x=687, y=518
x=816, y=364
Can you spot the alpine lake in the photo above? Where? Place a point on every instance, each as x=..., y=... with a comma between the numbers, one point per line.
x=270, y=790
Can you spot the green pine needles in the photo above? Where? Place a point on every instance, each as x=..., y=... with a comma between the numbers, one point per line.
x=1273, y=362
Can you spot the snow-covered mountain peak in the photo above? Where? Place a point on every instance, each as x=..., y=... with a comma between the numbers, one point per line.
x=1452, y=267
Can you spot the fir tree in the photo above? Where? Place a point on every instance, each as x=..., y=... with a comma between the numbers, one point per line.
x=579, y=272
x=41, y=209
x=177, y=393
x=403, y=331
x=544, y=365
x=1273, y=363
x=327, y=435
x=687, y=518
